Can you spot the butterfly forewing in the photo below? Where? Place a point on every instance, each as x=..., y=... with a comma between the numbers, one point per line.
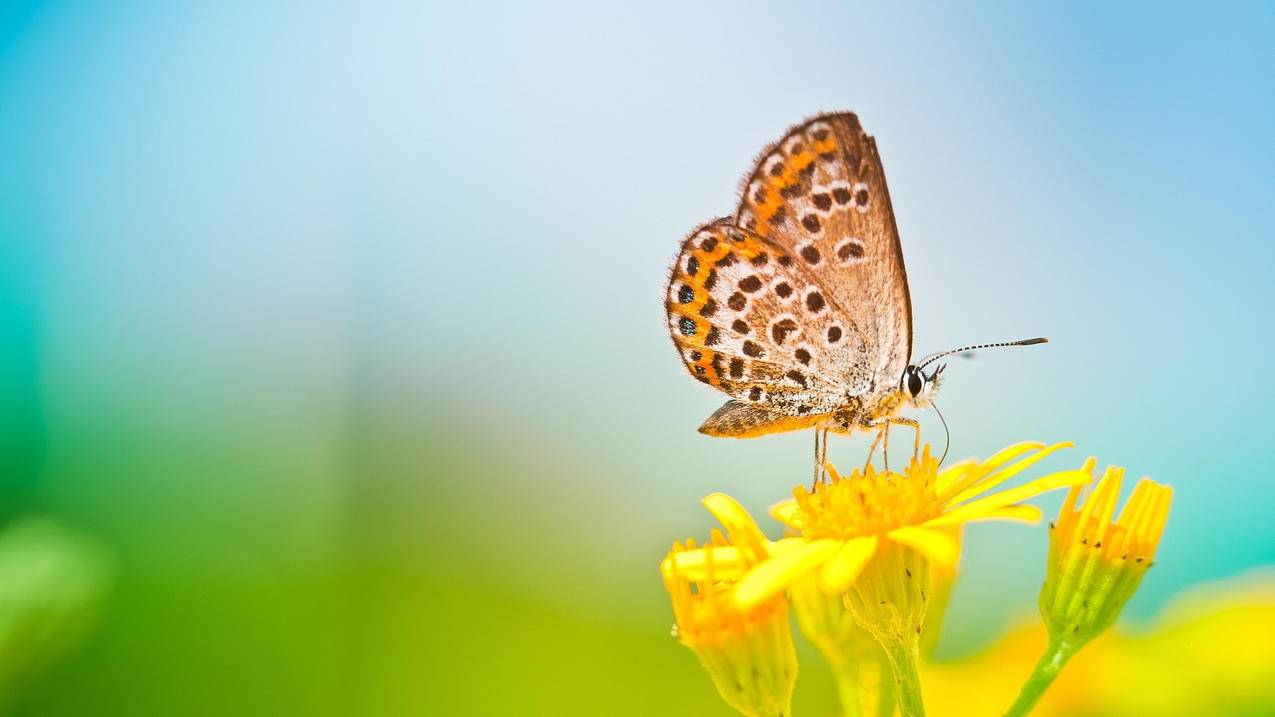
x=820, y=195
x=738, y=312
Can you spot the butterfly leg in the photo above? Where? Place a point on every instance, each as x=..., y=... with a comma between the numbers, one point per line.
x=885, y=444
x=872, y=451
x=916, y=439
x=821, y=455
x=883, y=438
x=815, y=481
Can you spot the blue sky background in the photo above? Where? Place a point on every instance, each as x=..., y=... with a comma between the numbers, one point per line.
x=246, y=247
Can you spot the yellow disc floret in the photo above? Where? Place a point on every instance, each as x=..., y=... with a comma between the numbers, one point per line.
x=869, y=503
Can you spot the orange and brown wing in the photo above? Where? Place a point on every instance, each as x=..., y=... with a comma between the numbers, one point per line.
x=738, y=311
x=820, y=194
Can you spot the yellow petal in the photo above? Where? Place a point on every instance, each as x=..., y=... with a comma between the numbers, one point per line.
x=1022, y=513
x=783, y=545
x=846, y=564
x=995, y=478
x=953, y=474
x=1138, y=504
x=776, y=574
x=981, y=506
x=940, y=546
x=1149, y=509
x=727, y=563
x=740, y=526
x=1155, y=528
x=1105, y=498
x=788, y=513
x=959, y=477
x=1069, y=503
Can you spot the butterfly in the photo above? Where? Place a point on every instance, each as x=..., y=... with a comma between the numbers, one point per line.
x=798, y=306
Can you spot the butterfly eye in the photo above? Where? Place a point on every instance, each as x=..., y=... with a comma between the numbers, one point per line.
x=915, y=383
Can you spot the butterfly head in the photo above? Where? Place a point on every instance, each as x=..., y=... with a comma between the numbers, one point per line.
x=919, y=387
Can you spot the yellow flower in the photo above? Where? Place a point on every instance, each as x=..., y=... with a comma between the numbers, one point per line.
x=872, y=538
x=748, y=651
x=846, y=522
x=1095, y=564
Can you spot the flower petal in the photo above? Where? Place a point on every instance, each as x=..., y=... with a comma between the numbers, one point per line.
x=1148, y=509
x=982, y=506
x=844, y=566
x=1069, y=503
x=1155, y=527
x=1101, y=504
x=994, y=478
x=783, y=545
x=787, y=512
x=940, y=546
x=727, y=563
x=1022, y=513
x=953, y=474
x=961, y=475
x=740, y=526
x=776, y=574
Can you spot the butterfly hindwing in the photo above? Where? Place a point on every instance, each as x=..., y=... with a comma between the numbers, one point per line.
x=738, y=310
x=820, y=195
x=739, y=419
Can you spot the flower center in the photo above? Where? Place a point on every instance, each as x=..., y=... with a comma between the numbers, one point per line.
x=868, y=504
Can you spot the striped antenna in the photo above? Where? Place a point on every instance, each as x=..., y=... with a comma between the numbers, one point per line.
x=1023, y=342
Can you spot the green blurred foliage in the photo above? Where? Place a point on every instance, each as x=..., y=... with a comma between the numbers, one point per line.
x=52, y=584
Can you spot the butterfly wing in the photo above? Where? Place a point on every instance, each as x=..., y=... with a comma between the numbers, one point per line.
x=820, y=195
x=738, y=308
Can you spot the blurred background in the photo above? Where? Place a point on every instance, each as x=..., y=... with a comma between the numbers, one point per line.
x=332, y=345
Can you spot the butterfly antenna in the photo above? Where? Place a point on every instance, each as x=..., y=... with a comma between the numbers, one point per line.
x=947, y=435
x=1023, y=342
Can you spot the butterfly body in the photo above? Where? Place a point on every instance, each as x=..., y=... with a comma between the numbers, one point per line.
x=736, y=419
x=798, y=306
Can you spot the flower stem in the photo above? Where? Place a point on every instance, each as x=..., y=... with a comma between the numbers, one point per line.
x=903, y=655
x=1050, y=664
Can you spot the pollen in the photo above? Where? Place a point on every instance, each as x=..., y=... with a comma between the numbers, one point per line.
x=870, y=503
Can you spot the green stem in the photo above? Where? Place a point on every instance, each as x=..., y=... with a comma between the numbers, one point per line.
x=903, y=657
x=1051, y=663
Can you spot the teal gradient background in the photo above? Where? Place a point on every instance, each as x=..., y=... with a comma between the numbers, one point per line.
x=341, y=328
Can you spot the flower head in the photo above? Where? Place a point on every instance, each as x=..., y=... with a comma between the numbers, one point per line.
x=1096, y=563
x=748, y=651
x=847, y=521
x=872, y=539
